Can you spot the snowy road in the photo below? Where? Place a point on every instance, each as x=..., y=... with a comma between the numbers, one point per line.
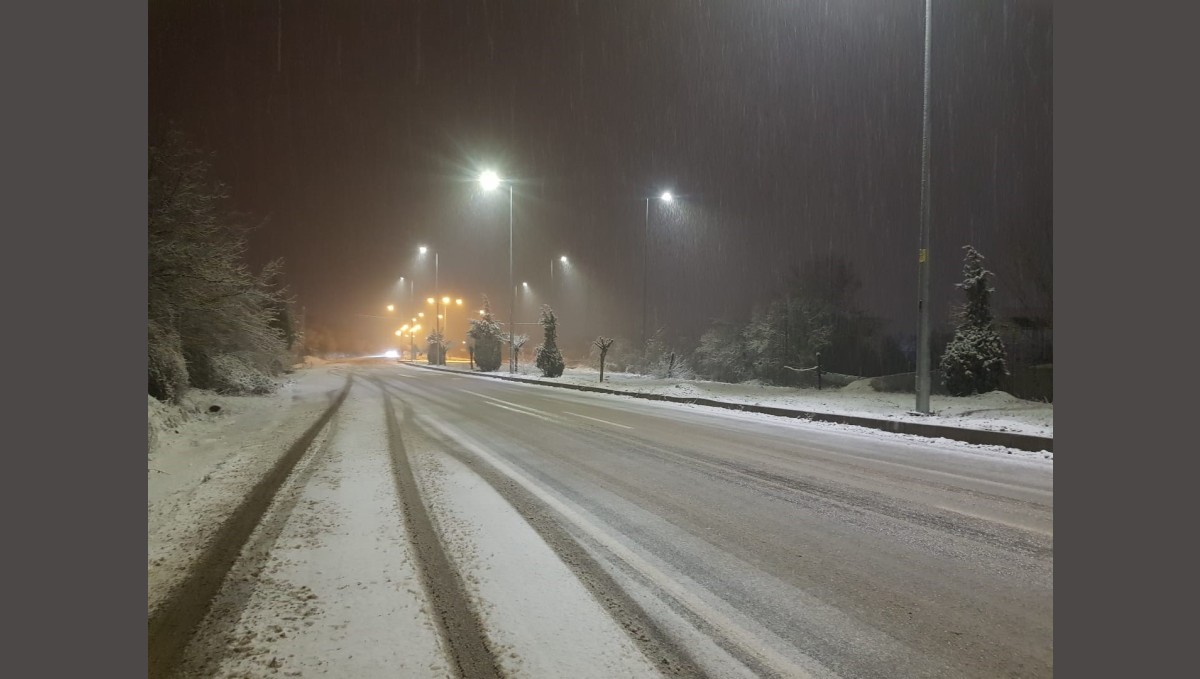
x=699, y=542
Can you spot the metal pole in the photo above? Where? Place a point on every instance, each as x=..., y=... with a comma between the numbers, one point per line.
x=923, y=275
x=512, y=307
x=645, y=257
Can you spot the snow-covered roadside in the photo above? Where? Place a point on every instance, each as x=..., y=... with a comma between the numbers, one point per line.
x=204, y=466
x=541, y=621
x=996, y=411
x=333, y=585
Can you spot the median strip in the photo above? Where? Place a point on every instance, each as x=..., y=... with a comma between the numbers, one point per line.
x=982, y=437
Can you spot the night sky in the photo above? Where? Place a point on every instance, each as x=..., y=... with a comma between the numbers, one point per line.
x=790, y=130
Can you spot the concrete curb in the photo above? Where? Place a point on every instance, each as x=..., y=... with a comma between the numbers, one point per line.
x=976, y=436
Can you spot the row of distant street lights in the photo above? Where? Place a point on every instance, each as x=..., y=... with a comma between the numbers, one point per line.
x=490, y=181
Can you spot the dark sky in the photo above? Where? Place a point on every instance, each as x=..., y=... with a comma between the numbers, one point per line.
x=791, y=130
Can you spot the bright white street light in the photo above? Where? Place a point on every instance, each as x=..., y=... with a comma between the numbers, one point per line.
x=524, y=284
x=423, y=249
x=666, y=197
x=489, y=180
x=563, y=259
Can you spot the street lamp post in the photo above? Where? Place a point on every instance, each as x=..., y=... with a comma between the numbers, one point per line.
x=562, y=259
x=490, y=182
x=666, y=197
x=411, y=291
x=423, y=250
x=923, y=274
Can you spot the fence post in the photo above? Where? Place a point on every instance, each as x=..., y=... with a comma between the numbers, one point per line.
x=818, y=371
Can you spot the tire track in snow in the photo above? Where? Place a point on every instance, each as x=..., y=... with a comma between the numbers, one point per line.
x=458, y=623
x=173, y=623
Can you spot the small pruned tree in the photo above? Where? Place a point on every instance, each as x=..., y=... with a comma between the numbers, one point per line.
x=974, y=359
x=488, y=337
x=549, y=358
x=518, y=343
x=603, y=344
x=436, y=353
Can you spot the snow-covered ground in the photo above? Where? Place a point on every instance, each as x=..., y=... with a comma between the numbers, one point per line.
x=203, y=463
x=996, y=411
x=332, y=558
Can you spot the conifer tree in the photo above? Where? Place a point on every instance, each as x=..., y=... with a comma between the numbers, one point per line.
x=549, y=359
x=974, y=360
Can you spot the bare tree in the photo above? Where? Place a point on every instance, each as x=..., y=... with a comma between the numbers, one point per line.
x=602, y=343
x=518, y=342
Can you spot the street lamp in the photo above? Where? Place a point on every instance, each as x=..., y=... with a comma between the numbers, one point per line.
x=562, y=259
x=665, y=197
x=923, y=353
x=490, y=181
x=411, y=291
x=423, y=250
x=391, y=307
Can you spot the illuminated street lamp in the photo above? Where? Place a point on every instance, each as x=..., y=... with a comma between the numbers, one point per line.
x=411, y=291
x=665, y=197
x=562, y=260
x=490, y=181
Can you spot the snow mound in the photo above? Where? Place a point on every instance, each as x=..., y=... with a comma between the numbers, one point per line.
x=862, y=386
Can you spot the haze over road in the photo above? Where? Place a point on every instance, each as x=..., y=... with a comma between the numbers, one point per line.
x=754, y=545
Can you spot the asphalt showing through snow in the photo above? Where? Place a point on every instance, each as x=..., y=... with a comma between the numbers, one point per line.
x=749, y=545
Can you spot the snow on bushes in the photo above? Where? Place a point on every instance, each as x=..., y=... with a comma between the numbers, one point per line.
x=549, y=358
x=168, y=373
x=488, y=338
x=973, y=362
x=212, y=322
x=237, y=375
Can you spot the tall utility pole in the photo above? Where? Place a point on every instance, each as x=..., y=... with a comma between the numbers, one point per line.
x=645, y=258
x=923, y=274
x=512, y=307
x=491, y=181
x=666, y=197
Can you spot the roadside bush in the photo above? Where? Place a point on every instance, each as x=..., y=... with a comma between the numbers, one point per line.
x=168, y=373
x=488, y=339
x=236, y=375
